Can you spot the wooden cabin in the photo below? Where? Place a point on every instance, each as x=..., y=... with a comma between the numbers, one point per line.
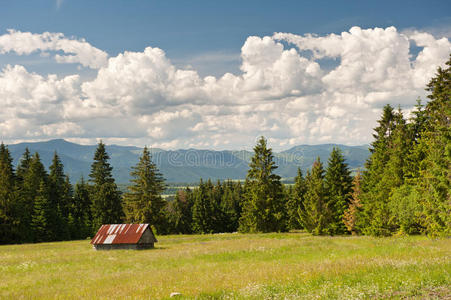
x=124, y=236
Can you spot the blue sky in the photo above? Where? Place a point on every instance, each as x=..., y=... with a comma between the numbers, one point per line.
x=189, y=29
x=208, y=38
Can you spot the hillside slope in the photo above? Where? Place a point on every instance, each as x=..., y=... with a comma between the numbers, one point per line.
x=185, y=165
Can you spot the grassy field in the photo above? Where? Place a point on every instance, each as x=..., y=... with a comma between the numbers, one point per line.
x=233, y=266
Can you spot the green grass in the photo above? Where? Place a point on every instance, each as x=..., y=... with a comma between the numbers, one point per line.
x=233, y=266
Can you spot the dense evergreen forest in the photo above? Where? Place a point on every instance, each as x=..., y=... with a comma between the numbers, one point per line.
x=404, y=189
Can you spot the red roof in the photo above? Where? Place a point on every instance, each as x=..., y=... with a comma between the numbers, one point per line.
x=119, y=234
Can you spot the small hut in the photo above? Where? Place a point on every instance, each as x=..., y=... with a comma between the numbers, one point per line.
x=124, y=236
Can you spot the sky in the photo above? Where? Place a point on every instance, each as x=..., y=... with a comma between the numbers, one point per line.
x=213, y=75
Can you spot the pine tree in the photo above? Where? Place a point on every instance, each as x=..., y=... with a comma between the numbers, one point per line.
x=350, y=214
x=42, y=215
x=295, y=201
x=315, y=214
x=143, y=203
x=338, y=182
x=106, y=199
x=264, y=207
x=8, y=198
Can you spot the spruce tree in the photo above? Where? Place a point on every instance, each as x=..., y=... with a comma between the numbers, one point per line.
x=295, y=201
x=398, y=151
x=231, y=205
x=375, y=164
x=315, y=213
x=338, y=182
x=8, y=198
x=58, y=199
x=106, y=199
x=23, y=216
x=42, y=215
x=202, y=209
x=374, y=218
x=405, y=209
x=34, y=177
x=237, y=204
x=143, y=203
x=404, y=201
x=179, y=212
x=434, y=179
x=23, y=166
x=416, y=154
x=264, y=206
x=350, y=214
x=219, y=218
x=80, y=211
x=67, y=201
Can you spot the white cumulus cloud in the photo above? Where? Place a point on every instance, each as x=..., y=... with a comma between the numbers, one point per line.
x=75, y=51
x=285, y=91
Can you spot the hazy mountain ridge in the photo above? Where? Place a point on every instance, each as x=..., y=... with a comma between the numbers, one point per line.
x=184, y=165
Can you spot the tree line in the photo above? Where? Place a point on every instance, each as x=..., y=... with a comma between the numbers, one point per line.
x=41, y=206
x=403, y=189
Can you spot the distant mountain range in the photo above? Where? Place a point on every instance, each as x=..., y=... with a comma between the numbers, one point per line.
x=184, y=166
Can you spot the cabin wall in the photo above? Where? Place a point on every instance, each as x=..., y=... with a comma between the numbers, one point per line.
x=147, y=237
x=123, y=246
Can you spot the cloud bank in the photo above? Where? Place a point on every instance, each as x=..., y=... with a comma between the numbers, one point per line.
x=74, y=51
x=292, y=89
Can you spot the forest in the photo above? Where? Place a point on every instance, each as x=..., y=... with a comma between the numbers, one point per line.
x=403, y=189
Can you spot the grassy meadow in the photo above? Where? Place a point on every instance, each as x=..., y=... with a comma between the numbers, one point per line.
x=232, y=266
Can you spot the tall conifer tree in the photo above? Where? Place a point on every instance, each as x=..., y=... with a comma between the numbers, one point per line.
x=34, y=177
x=202, y=209
x=143, y=203
x=295, y=201
x=106, y=198
x=80, y=211
x=23, y=166
x=8, y=198
x=42, y=215
x=350, y=214
x=315, y=213
x=374, y=218
x=264, y=206
x=24, y=214
x=416, y=154
x=219, y=217
x=338, y=182
x=58, y=199
x=231, y=205
x=435, y=169
x=180, y=212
